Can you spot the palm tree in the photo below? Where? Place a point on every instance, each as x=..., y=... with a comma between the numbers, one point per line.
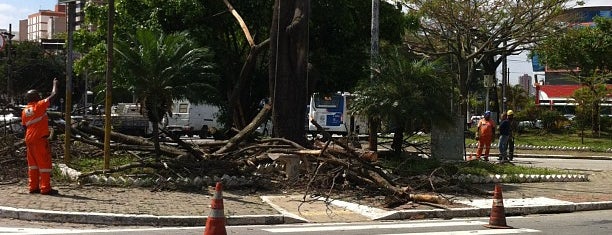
x=518, y=98
x=160, y=68
x=408, y=94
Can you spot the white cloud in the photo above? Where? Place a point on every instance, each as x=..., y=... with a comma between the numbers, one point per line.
x=7, y=16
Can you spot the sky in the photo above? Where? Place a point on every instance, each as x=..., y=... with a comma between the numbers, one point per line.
x=11, y=11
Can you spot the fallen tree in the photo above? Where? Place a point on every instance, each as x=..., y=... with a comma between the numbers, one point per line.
x=320, y=168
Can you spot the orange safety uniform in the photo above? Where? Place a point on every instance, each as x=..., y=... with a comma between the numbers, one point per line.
x=34, y=118
x=486, y=130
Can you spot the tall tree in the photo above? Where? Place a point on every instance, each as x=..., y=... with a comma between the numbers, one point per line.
x=480, y=32
x=585, y=53
x=32, y=68
x=288, y=70
x=160, y=68
x=338, y=42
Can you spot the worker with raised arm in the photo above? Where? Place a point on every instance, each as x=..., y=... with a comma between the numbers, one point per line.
x=34, y=119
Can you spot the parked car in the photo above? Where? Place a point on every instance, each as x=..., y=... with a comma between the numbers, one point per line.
x=531, y=124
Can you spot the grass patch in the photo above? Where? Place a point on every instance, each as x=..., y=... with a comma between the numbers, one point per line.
x=88, y=164
x=569, y=140
x=416, y=166
x=485, y=168
x=540, y=138
x=410, y=166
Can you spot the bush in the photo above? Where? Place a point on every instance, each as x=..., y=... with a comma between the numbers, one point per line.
x=552, y=120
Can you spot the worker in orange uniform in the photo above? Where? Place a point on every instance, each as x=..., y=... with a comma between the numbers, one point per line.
x=34, y=119
x=484, y=134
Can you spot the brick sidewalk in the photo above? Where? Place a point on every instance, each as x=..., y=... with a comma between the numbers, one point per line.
x=131, y=201
x=143, y=201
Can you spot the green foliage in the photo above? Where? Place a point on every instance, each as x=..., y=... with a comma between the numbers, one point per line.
x=410, y=166
x=485, y=168
x=32, y=68
x=418, y=166
x=160, y=68
x=570, y=139
x=340, y=40
x=405, y=92
x=589, y=99
x=584, y=47
x=89, y=163
x=550, y=118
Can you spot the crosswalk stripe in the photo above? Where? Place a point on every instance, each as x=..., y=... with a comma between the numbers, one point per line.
x=472, y=232
x=373, y=226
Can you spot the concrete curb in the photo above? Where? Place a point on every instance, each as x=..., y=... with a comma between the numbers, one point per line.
x=135, y=220
x=483, y=212
x=520, y=178
x=285, y=218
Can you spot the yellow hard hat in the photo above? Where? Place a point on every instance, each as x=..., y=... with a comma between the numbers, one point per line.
x=509, y=112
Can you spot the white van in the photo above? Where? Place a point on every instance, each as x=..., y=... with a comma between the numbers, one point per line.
x=192, y=119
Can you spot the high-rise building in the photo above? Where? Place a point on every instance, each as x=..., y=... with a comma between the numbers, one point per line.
x=525, y=83
x=45, y=24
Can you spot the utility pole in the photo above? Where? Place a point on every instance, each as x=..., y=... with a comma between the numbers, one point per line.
x=9, y=65
x=109, y=83
x=504, y=80
x=373, y=121
x=69, y=60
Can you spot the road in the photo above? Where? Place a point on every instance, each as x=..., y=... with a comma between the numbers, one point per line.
x=591, y=222
x=572, y=164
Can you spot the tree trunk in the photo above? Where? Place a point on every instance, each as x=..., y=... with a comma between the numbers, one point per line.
x=234, y=141
x=155, y=139
x=398, y=139
x=288, y=69
x=127, y=139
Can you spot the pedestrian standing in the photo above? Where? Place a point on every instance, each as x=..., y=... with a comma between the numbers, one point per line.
x=36, y=123
x=485, y=131
x=504, y=135
x=513, y=126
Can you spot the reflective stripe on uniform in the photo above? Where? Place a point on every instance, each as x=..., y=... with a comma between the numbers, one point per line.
x=44, y=170
x=35, y=120
x=33, y=167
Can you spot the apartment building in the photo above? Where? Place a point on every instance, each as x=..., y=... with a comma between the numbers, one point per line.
x=45, y=24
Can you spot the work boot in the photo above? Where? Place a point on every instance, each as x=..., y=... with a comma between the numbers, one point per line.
x=50, y=192
x=34, y=191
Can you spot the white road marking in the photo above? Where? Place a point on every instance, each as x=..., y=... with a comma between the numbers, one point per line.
x=472, y=232
x=373, y=226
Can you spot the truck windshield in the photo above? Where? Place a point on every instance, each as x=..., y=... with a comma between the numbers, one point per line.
x=327, y=101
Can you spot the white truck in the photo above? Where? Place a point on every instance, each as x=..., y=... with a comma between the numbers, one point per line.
x=192, y=119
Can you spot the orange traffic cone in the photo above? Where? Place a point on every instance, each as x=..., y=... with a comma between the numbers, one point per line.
x=215, y=223
x=498, y=216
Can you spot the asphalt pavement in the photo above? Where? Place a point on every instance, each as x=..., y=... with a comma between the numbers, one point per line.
x=143, y=206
